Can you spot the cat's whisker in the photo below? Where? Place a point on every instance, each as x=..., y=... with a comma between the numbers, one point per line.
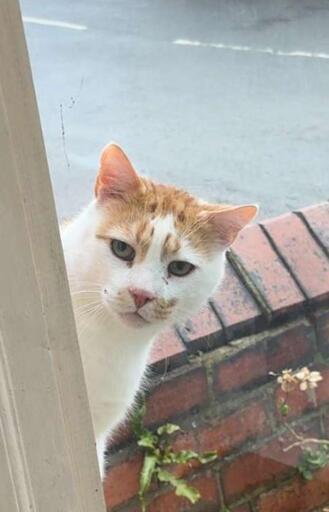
x=92, y=318
x=86, y=308
x=84, y=322
x=74, y=276
x=78, y=280
x=92, y=300
x=77, y=292
x=86, y=311
x=83, y=286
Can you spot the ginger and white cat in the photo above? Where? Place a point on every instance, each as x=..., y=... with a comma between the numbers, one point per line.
x=140, y=257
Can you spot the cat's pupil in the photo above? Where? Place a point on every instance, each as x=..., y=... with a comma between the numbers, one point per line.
x=122, y=246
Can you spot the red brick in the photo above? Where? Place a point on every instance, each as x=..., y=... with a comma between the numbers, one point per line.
x=178, y=395
x=321, y=319
x=267, y=271
x=203, y=331
x=297, y=496
x=182, y=470
x=223, y=435
x=293, y=346
x=322, y=392
x=122, y=481
x=168, y=349
x=249, y=366
x=317, y=218
x=305, y=258
x=185, y=440
x=241, y=370
x=234, y=430
x=241, y=508
x=326, y=423
x=235, y=306
x=169, y=502
x=252, y=470
x=298, y=402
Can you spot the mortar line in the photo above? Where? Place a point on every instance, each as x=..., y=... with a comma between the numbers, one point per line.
x=312, y=232
x=284, y=261
x=251, y=286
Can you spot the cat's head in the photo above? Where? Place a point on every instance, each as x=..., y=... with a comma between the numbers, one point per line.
x=160, y=251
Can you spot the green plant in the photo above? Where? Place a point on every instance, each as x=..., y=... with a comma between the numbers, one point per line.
x=314, y=452
x=158, y=455
x=313, y=459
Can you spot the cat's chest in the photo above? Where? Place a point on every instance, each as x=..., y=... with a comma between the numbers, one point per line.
x=114, y=361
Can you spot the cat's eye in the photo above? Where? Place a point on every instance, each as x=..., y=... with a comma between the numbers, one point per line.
x=122, y=250
x=180, y=268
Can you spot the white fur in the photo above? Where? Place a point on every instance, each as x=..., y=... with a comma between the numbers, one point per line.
x=114, y=354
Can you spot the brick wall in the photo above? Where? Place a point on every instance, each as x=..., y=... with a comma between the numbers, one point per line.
x=211, y=377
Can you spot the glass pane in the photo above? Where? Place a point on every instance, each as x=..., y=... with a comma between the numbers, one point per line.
x=228, y=101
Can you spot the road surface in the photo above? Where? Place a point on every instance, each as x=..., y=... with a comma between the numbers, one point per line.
x=227, y=98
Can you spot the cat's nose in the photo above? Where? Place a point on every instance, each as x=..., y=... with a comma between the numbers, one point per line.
x=141, y=297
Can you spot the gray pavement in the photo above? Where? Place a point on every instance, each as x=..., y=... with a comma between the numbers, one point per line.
x=230, y=124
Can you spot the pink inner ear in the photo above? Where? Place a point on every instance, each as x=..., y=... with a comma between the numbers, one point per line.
x=116, y=175
x=230, y=221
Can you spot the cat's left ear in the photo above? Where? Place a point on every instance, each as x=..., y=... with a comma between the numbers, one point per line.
x=116, y=174
x=229, y=221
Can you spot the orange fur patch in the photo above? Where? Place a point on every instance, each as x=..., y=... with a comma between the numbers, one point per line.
x=132, y=214
x=170, y=247
x=131, y=201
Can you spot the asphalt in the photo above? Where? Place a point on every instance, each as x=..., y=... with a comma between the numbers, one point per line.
x=234, y=125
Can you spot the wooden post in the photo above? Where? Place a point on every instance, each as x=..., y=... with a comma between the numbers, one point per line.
x=47, y=452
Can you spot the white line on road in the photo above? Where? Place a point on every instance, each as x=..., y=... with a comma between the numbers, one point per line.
x=53, y=23
x=237, y=48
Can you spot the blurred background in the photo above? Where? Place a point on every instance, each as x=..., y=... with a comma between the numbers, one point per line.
x=227, y=98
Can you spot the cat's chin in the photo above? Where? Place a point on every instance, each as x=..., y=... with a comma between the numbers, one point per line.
x=133, y=320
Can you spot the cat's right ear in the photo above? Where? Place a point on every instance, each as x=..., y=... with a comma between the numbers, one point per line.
x=116, y=174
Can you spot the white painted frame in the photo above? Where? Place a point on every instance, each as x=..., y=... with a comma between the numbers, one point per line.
x=47, y=450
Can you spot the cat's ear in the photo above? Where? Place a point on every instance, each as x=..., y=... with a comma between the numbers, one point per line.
x=116, y=174
x=230, y=220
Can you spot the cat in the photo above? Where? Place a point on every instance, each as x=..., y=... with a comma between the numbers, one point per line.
x=140, y=257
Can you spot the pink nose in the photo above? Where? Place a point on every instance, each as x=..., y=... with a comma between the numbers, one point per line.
x=141, y=297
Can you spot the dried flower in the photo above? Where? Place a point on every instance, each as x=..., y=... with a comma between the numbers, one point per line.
x=287, y=380
x=307, y=379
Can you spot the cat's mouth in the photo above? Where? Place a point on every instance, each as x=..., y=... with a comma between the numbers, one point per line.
x=133, y=319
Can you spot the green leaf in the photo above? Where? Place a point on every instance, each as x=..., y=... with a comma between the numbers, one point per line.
x=312, y=460
x=180, y=486
x=157, y=453
x=308, y=475
x=168, y=429
x=185, y=456
x=148, y=470
x=284, y=409
x=142, y=503
x=165, y=476
x=187, y=491
x=319, y=359
x=206, y=458
x=148, y=440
